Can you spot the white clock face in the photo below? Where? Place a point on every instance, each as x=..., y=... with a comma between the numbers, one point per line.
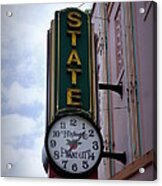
x=74, y=144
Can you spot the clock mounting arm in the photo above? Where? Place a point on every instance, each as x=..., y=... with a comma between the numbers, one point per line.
x=116, y=156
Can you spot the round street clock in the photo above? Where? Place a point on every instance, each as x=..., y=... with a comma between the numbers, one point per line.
x=73, y=145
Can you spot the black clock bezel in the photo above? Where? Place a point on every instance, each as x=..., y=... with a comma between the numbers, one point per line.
x=57, y=168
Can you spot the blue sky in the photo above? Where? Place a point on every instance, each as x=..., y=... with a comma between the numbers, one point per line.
x=23, y=84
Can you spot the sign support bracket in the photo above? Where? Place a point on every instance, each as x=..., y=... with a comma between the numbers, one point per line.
x=117, y=156
x=116, y=88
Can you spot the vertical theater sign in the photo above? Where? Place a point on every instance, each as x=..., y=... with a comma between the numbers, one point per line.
x=73, y=142
x=73, y=62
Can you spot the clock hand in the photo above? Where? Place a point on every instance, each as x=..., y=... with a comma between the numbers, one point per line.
x=74, y=143
x=75, y=140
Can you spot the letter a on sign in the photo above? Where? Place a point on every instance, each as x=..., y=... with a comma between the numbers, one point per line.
x=74, y=58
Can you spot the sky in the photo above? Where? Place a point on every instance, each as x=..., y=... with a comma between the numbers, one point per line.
x=23, y=85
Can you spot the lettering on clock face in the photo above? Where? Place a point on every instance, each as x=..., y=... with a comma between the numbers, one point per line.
x=74, y=144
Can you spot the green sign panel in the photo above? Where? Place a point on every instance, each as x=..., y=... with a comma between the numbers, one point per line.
x=72, y=60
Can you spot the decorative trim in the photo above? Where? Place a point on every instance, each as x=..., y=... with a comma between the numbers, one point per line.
x=90, y=68
x=148, y=7
x=52, y=85
x=92, y=11
x=109, y=9
x=58, y=63
x=117, y=10
x=132, y=168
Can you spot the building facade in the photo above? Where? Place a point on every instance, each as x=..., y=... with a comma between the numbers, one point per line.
x=125, y=55
x=123, y=64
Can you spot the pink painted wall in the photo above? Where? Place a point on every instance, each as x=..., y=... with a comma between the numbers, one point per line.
x=136, y=38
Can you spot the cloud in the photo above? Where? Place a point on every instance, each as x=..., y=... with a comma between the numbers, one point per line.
x=19, y=36
x=32, y=66
x=26, y=161
x=24, y=46
x=17, y=95
x=20, y=131
x=27, y=65
x=14, y=125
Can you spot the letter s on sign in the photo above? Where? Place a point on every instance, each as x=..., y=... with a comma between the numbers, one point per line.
x=74, y=19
